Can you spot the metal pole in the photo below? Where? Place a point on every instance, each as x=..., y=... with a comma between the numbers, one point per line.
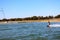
x=3, y=13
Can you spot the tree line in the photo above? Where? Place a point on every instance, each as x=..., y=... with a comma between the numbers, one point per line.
x=31, y=18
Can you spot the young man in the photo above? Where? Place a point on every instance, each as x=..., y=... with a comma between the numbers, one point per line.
x=48, y=24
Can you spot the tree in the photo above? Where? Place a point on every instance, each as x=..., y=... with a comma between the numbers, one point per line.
x=34, y=18
x=58, y=16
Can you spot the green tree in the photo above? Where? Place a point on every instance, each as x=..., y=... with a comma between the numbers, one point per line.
x=34, y=18
x=58, y=16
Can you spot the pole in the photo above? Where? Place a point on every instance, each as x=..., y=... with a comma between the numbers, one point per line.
x=3, y=13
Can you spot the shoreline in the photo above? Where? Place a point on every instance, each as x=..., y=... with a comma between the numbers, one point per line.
x=24, y=21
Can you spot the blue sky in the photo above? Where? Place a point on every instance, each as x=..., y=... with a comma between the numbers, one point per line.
x=28, y=8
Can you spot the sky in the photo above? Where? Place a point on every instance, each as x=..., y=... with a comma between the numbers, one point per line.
x=28, y=8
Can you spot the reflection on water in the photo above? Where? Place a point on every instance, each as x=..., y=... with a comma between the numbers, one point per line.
x=29, y=31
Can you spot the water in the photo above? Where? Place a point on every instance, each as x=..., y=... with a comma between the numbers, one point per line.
x=29, y=31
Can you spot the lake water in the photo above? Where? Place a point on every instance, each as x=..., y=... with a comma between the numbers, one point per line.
x=29, y=31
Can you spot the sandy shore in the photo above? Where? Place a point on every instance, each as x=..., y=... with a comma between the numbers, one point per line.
x=51, y=20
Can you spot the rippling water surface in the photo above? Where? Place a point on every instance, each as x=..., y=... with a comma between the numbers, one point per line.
x=29, y=31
